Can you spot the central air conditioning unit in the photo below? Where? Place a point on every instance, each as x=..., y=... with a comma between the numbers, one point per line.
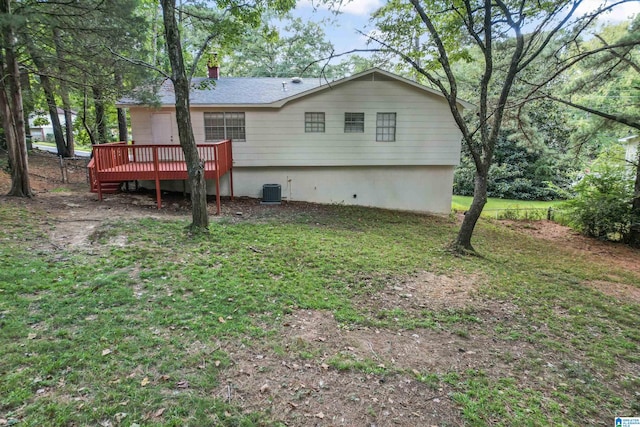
x=271, y=194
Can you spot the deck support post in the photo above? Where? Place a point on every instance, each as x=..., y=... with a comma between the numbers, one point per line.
x=99, y=189
x=230, y=159
x=96, y=157
x=156, y=166
x=218, y=195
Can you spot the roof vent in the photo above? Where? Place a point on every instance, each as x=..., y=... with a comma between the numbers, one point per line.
x=296, y=80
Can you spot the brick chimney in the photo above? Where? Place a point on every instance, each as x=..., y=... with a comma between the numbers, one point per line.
x=213, y=66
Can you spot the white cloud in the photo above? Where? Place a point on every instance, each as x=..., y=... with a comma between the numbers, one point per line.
x=360, y=7
x=618, y=13
x=350, y=7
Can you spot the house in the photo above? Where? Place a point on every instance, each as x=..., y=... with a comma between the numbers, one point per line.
x=41, y=131
x=372, y=139
x=631, y=144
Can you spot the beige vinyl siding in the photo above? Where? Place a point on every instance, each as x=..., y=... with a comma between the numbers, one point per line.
x=425, y=131
x=141, y=131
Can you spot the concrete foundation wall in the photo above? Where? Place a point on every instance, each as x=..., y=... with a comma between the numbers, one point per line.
x=409, y=188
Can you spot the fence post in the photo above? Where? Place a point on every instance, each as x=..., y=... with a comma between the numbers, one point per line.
x=549, y=213
x=63, y=170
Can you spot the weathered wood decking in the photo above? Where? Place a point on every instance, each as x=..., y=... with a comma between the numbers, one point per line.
x=120, y=162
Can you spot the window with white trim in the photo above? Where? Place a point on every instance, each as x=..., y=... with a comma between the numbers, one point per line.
x=314, y=122
x=224, y=125
x=353, y=122
x=386, y=127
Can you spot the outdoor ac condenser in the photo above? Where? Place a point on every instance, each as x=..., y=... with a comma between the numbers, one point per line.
x=271, y=194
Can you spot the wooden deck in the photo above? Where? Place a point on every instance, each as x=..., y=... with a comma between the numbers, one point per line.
x=121, y=162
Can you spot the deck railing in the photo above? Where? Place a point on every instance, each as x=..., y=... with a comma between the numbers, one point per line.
x=120, y=161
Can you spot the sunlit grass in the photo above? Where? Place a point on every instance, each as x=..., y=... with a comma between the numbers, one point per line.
x=507, y=208
x=86, y=336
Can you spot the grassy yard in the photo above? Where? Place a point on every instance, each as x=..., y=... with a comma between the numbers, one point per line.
x=508, y=209
x=146, y=326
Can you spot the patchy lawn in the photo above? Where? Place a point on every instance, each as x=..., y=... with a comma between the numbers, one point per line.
x=300, y=314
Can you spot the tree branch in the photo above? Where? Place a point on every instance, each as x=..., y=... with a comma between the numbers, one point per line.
x=615, y=118
x=140, y=63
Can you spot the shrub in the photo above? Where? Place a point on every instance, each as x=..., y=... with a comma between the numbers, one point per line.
x=601, y=206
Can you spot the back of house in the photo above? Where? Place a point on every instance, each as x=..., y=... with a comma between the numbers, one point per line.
x=372, y=139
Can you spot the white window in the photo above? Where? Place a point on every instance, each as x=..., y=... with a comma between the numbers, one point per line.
x=386, y=127
x=353, y=122
x=220, y=126
x=313, y=122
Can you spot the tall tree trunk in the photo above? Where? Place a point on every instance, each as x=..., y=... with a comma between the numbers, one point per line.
x=101, y=119
x=11, y=109
x=195, y=166
x=462, y=243
x=122, y=115
x=49, y=95
x=68, y=122
x=28, y=105
x=123, y=133
x=8, y=126
x=634, y=233
x=53, y=115
x=64, y=95
x=85, y=124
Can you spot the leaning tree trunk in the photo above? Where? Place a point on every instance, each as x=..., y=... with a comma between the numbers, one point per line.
x=49, y=95
x=195, y=166
x=64, y=95
x=11, y=109
x=462, y=243
x=53, y=114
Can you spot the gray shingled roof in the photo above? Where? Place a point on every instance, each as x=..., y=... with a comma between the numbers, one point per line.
x=235, y=90
x=264, y=91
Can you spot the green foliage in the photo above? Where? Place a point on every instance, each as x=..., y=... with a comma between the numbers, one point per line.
x=265, y=52
x=518, y=172
x=601, y=206
x=40, y=121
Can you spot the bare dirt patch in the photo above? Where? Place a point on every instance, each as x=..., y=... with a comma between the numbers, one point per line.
x=613, y=253
x=620, y=291
x=426, y=290
x=315, y=377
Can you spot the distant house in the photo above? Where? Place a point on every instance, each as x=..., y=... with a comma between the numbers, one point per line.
x=631, y=144
x=41, y=132
x=372, y=139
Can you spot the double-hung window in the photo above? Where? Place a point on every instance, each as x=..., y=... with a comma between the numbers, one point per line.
x=314, y=122
x=386, y=127
x=353, y=122
x=223, y=125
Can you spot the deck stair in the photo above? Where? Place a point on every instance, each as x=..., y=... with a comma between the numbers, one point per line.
x=105, y=187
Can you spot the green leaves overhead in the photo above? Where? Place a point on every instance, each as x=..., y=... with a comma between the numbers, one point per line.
x=267, y=53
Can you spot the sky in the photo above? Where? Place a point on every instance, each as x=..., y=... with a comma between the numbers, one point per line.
x=356, y=13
